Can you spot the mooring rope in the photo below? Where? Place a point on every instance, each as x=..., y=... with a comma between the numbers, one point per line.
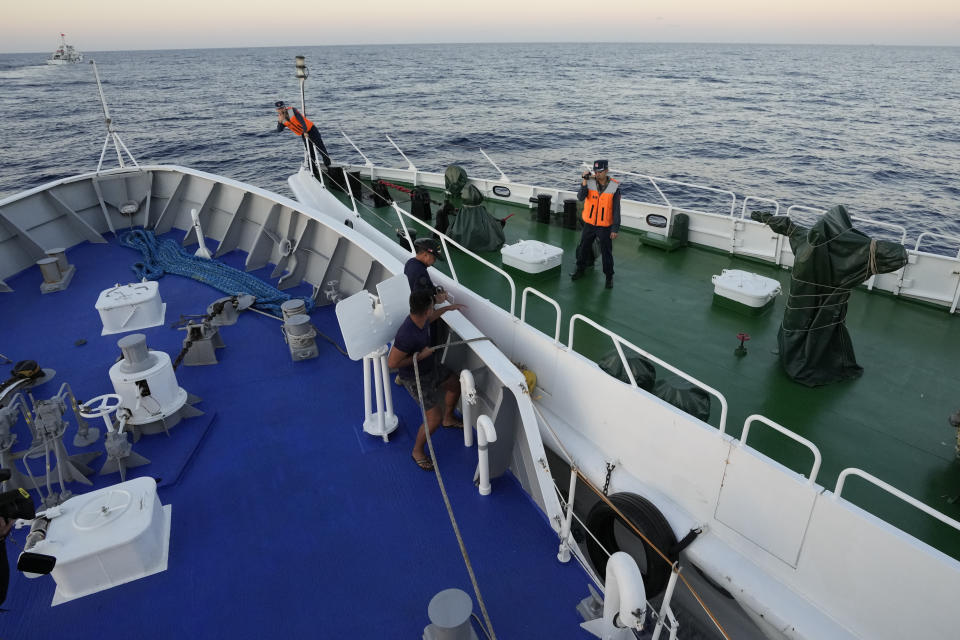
x=446, y=498
x=165, y=255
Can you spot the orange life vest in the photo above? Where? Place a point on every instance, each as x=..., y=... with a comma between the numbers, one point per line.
x=294, y=125
x=598, y=207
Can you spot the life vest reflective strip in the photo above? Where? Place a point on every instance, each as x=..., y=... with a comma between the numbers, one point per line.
x=294, y=125
x=598, y=207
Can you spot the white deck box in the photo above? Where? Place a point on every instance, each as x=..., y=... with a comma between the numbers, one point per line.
x=130, y=307
x=106, y=538
x=751, y=290
x=531, y=256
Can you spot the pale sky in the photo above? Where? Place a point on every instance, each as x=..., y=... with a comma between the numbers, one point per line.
x=102, y=25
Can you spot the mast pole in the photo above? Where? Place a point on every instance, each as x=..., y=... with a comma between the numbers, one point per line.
x=111, y=134
x=301, y=75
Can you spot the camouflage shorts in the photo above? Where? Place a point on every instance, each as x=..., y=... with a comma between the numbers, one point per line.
x=431, y=384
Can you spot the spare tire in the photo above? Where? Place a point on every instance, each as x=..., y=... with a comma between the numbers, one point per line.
x=614, y=535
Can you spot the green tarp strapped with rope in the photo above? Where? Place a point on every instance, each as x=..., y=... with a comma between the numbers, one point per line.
x=474, y=227
x=831, y=258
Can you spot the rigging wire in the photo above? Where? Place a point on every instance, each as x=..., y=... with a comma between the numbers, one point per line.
x=488, y=631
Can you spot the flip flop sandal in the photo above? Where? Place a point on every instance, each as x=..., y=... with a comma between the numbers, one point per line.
x=424, y=463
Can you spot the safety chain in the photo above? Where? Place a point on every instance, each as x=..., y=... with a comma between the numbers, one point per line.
x=606, y=483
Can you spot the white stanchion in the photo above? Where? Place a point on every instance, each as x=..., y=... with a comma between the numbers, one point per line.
x=485, y=434
x=382, y=422
x=468, y=397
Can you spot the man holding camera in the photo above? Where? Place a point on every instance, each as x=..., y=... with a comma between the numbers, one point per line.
x=428, y=252
x=601, y=219
x=291, y=118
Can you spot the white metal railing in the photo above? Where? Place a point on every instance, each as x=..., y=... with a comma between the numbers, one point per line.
x=654, y=181
x=746, y=199
x=546, y=298
x=900, y=229
x=617, y=341
x=895, y=492
x=812, y=477
x=931, y=234
x=444, y=240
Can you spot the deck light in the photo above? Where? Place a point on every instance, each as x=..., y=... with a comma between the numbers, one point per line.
x=302, y=72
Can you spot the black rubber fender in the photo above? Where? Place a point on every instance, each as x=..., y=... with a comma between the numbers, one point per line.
x=645, y=517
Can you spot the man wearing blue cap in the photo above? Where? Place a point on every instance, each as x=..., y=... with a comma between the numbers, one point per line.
x=601, y=219
x=428, y=252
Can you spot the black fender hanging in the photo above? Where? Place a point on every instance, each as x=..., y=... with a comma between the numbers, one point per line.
x=602, y=522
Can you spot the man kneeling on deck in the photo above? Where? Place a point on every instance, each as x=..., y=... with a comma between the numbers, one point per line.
x=437, y=382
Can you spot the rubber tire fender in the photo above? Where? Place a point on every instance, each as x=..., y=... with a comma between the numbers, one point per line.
x=648, y=519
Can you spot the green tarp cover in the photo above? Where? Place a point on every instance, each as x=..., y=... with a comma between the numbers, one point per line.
x=473, y=227
x=684, y=396
x=643, y=370
x=455, y=179
x=679, y=393
x=831, y=258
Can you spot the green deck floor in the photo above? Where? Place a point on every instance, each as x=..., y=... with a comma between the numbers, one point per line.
x=892, y=422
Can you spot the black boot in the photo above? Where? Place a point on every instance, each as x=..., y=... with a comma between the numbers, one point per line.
x=576, y=275
x=609, y=284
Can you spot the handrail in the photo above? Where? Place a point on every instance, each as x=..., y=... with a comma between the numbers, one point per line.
x=444, y=239
x=503, y=176
x=356, y=148
x=617, y=340
x=546, y=298
x=410, y=166
x=653, y=180
x=746, y=199
x=790, y=434
x=884, y=225
x=945, y=236
x=930, y=511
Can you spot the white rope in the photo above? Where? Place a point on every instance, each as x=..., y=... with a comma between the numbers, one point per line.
x=446, y=499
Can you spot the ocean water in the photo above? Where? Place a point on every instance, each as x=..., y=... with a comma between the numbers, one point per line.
x=875, y=128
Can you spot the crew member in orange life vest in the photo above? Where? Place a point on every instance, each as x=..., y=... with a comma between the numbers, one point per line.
x=601, y=219
x=291, y=118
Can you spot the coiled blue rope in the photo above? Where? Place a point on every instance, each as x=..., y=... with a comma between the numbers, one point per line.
x=165, y=255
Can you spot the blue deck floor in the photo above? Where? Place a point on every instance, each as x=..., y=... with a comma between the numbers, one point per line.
x=288, y=520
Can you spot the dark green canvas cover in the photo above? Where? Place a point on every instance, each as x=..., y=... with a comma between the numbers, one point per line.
x=643, y=370
x=679, y=393
x=831, y=258
x=473, y=227
x=455, y=179
x=684, y=396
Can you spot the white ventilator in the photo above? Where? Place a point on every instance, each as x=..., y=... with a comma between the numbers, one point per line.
x=368, y=323
x=624, y=600
x=485, y=434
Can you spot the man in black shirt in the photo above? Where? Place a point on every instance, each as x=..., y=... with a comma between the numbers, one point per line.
x=437, y=382
x=428, y=252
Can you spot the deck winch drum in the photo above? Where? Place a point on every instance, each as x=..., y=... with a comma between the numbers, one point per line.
x=146, y=381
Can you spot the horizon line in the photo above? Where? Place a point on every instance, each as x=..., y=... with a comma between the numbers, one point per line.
x=427, y=44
